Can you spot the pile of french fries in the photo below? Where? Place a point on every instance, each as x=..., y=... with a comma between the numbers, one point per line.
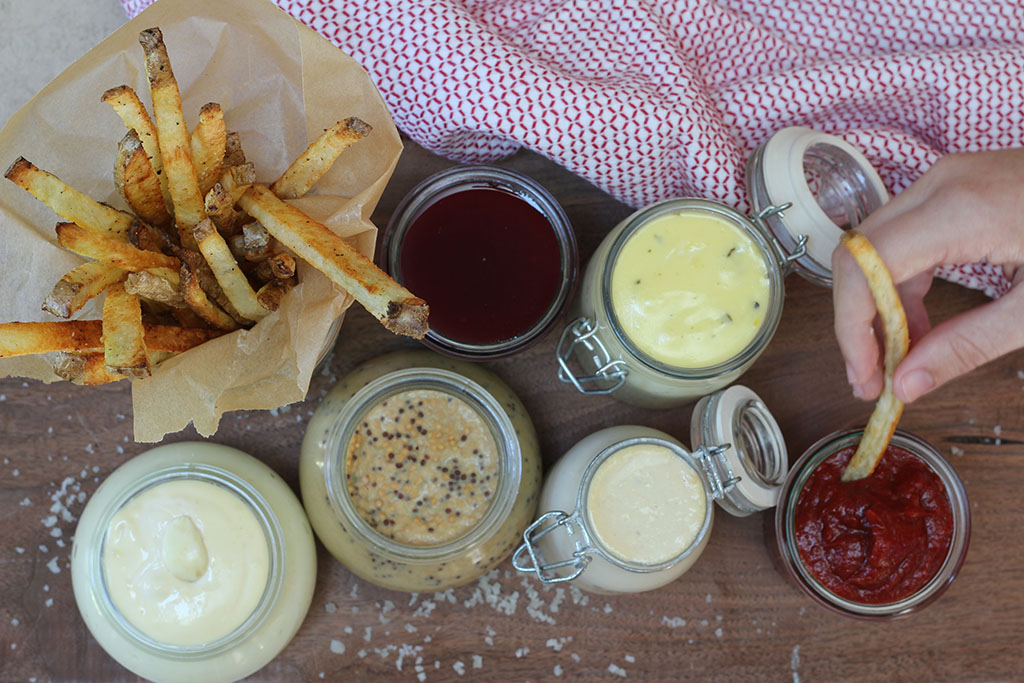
x=205, y=249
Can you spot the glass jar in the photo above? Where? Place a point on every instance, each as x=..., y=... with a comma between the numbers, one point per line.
x=393, y=549
x=800, y=182
x=491, y=251
x=785, y=530
x=619, y=542
x=243, y=639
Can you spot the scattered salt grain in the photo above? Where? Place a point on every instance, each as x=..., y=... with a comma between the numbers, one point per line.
x=330, y=608
x=20, y=551
x=478, y=662
x=49, y=602
x=707, y=598
x=26, y=502
x=348, y=630
x=673, y=622
x=337, y=647
x=630, y=659
x=15, y=622
x=15, y=473
x=718, y=632
x=617, y=670
x=522, y=652
x=459, y=667
x=557, y=670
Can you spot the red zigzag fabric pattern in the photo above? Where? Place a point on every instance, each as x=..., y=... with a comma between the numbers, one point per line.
x=651, y=99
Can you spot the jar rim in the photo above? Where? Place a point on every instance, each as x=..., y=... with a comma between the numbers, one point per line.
x=459, y=178
x=462, y=388
x=582, y=509
x=257, y=504
x=773, y=267
x=936, y=585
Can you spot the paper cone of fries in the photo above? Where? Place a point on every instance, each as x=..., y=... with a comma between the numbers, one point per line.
x=280, y=86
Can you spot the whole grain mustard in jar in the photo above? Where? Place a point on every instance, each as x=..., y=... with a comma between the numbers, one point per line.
x=683, y=296
x=629, y=508
x=420, y=472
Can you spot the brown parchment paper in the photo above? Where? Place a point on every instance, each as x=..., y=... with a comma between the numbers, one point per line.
x=280, y=85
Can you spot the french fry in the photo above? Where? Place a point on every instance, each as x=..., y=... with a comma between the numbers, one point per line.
x=256, y=241
x=231, y=278
x=90, y=369
x=233, y=153
x=144, y=236
x=311, y=165
x=209, y=284
x=80, y=285
x=148, y=284
x=280, y=266
x=86, y=336
x=393, y=305
x=236, y=179
x=137, y=182
x=197, y=300
x=207, y=143
x=124, y=346
x=172, y=134
x=121, y=254
x=888, y=409
x=270, y=294
x=67, y=202
x=129, y=107
x=220, y=208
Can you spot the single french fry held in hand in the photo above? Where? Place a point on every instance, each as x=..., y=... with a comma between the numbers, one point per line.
x=116, y=253
x=208, y=141
x=172, y=134
x=129, y=107
x=137, y=182
x=392, y=304
x=67, y=202
x=230, y=277
x=80, y=285
x=311, y=165
x=124, y=346
x=888, y=409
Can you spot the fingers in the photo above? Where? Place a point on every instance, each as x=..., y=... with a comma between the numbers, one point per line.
x=961, y=344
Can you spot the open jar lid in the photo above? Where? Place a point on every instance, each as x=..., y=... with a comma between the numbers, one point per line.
x=803, y=183
x=750, y=463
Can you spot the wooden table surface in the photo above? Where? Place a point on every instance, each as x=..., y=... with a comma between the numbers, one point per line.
x=732, y=617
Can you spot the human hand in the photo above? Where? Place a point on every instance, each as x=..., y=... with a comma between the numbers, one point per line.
x=965, y=208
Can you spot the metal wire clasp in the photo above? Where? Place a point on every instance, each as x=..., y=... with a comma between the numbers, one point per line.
x=584, y=331
x=716, y=469
x=800, y=250
x=545, y=524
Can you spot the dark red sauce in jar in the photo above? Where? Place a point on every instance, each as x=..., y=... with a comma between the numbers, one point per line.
x=879, y=539
x=487, y=261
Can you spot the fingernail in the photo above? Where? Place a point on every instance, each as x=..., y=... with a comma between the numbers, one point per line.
x=850, y=377
x=916, y=384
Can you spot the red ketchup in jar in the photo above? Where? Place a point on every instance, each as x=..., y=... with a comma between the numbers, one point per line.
x=879, y=539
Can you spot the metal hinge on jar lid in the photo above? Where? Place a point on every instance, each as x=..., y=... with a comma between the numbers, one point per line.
x=608, y=374
x=829, y=185
x=749, y=453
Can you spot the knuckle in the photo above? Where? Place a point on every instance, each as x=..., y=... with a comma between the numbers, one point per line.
x=966, y=353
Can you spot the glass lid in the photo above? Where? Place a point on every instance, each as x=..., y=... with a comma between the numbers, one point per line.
x=807, y=183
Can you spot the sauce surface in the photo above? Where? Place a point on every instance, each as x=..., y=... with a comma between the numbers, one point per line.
x=422, y=467
x=879, y=539
x=488, y=262
x=646, y=505
x=186, y=562
x=690, y=289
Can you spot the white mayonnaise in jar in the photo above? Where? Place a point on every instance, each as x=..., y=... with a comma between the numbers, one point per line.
x=641, y=503
x=193, y=561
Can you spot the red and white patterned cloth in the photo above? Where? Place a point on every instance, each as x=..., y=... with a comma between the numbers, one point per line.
x=650, y=99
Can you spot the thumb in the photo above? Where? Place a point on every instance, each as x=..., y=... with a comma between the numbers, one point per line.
x=961, y=344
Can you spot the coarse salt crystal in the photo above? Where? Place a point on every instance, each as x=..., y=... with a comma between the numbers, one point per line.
x=459, y=667
x=617, y=670
x=337, y=647
x=330, y=607
x=478, y=662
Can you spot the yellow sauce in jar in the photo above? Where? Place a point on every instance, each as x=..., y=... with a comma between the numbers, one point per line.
x=690, y=289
